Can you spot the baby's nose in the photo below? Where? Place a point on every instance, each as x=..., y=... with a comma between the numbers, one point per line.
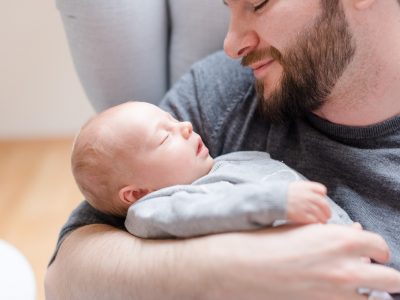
x=186, y=129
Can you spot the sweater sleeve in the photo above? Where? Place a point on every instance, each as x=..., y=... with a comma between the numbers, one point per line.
x=208, y=209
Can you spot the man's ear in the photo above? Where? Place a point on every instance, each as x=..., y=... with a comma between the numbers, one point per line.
x=363, y=4
x=130, y=194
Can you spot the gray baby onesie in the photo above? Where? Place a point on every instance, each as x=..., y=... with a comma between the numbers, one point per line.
x=243, y=191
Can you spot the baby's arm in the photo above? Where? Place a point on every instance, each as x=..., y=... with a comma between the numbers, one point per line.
x=186, y=211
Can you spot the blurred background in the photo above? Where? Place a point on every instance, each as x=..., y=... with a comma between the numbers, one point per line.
x=42, y=106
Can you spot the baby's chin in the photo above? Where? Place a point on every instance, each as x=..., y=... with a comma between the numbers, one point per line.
x=210, y=164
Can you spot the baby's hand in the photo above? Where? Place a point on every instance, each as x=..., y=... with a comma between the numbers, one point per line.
x=307, y=203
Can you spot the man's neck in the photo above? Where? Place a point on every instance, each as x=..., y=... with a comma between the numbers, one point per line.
x=369, y=110
x=366, y=94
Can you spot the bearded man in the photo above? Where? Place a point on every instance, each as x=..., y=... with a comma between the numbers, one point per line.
x=325, y=103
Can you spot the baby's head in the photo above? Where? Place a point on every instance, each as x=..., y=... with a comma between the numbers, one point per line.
x=132, y=149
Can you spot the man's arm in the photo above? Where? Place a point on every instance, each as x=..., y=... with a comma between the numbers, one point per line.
x=100, y=262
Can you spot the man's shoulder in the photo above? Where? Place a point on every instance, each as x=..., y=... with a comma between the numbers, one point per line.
x=216, y=80
x=220, y=65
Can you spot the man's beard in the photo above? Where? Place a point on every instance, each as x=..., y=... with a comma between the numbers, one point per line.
x=311, y=67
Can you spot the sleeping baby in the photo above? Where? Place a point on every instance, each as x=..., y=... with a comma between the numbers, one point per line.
x=136, y=160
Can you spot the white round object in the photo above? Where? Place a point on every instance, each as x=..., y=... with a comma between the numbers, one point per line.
x=17, y=281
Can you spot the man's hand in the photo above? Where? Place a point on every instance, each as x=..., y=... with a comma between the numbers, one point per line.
x=306, y=203
x=311, y=262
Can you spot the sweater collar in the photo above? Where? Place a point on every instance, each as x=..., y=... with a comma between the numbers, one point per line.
x=381, y=129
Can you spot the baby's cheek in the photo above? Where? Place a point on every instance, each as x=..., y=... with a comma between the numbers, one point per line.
x=185, y=165
x=187, y=168
x=184, y=157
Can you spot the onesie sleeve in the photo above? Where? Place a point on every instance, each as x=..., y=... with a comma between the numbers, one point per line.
x=207, y=209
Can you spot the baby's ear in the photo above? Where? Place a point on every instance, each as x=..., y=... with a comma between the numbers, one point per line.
x=130, y=194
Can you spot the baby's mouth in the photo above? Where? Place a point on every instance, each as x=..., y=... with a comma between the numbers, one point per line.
x=199, y=147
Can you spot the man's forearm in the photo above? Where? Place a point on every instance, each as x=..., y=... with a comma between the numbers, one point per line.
x=101, y=262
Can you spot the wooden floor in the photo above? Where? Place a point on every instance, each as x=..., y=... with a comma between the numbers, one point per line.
x=37, y=193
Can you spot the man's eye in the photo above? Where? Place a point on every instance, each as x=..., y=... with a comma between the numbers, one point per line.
x=260, y=5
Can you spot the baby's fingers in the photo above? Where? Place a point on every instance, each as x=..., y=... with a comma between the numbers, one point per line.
x=321, y=208
x=318, y=188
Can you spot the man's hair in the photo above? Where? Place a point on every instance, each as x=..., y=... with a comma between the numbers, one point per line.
x=94, y=168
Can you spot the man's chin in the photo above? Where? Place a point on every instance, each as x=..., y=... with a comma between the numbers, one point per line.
x=265, y=88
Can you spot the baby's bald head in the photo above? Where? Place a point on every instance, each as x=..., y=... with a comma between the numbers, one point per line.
x=97, y=160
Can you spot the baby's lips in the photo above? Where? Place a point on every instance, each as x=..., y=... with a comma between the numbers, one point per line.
x=200, y=146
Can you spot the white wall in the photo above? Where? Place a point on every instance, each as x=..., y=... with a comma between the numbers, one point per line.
x=40, y=94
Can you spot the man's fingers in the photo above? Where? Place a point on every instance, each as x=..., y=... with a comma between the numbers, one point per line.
x=379, y=277
x=368, y=244
x=357, y=225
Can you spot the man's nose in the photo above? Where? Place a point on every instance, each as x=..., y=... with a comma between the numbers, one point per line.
x=186, y=129
x=240, y=40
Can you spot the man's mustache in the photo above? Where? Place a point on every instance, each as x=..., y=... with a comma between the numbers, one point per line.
x=261, y=54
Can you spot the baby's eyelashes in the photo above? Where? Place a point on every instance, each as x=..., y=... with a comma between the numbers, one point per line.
x=164, y=139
